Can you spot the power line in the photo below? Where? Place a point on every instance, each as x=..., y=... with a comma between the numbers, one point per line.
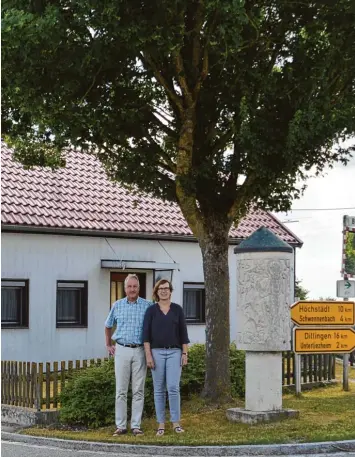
x=319, y=209
x=166, y=251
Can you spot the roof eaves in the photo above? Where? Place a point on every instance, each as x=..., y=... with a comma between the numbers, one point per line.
x=20, y=228
x=237, y=241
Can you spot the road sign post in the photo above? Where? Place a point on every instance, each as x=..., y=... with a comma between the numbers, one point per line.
x=346, y=369
x=298, y=373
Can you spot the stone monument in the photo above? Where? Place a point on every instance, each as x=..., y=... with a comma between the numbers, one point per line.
x=265, y=288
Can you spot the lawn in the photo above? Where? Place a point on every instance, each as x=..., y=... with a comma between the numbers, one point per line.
x=326, y=413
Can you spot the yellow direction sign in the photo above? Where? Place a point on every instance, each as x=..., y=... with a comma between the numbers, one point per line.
x=323, y=313
x=328, y=340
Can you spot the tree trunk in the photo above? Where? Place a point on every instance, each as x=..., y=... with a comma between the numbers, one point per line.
x=214, y=247
x=212, y=231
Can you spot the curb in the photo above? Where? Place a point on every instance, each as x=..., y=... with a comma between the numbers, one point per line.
x=330, y=447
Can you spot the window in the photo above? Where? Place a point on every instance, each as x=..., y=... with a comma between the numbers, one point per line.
x=14, y=303
x=72, y=304
x=194, y=303
x=162, y=274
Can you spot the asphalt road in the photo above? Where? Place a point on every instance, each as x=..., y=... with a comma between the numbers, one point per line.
x=12, y=449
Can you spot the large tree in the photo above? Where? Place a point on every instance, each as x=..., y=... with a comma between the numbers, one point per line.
x=215, y=104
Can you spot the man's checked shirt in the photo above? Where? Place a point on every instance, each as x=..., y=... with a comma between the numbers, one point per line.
x=128, y=318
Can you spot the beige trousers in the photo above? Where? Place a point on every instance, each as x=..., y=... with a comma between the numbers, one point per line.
x=129, y=362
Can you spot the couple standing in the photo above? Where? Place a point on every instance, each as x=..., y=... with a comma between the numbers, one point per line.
x=147, y=335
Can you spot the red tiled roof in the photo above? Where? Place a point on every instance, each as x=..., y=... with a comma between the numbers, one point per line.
x=80, y=196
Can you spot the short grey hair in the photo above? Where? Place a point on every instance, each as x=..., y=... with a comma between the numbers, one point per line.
x=131, y=276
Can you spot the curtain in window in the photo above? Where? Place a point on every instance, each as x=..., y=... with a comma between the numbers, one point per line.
x=11, y=305
x=192, y=302
x=69, y=305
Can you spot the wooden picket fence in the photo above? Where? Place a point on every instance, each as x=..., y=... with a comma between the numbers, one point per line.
x=38, y=385
x=315, y=368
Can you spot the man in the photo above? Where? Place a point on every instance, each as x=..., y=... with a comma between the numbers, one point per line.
x=128, y=315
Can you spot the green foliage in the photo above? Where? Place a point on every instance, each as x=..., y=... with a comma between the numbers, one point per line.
x=300, y=291
x=272, y=82
x=350, y=253
x=237, y=367
x=193, y=375
x=89, y=397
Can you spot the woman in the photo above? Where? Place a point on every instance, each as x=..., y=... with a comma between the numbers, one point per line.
x=165, y=344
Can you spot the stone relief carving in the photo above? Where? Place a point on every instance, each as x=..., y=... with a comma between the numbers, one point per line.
x=263, y=295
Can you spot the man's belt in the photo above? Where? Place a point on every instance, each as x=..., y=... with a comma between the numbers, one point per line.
x=130, y=345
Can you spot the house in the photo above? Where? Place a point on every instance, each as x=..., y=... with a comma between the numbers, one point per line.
x=70, y=237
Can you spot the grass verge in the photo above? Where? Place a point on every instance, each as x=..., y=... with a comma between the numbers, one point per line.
x=325, y=414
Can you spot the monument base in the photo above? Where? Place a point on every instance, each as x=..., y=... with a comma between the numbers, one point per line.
x=254, y=417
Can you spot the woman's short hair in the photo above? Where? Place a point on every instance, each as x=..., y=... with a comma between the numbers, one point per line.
x=157, y=285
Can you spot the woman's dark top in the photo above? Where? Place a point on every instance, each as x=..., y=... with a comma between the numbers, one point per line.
x=164, y=330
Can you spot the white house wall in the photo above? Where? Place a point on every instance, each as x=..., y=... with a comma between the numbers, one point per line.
x=45, y=259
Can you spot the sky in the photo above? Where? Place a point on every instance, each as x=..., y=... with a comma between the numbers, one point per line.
x=318, y=262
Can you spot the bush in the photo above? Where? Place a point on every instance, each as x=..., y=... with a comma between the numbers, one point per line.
x=237, y=364
x=193, y=375
x=89, y=397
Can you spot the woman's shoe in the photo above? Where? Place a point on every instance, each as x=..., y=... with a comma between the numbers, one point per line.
x=160, y=432
x=178, y=429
